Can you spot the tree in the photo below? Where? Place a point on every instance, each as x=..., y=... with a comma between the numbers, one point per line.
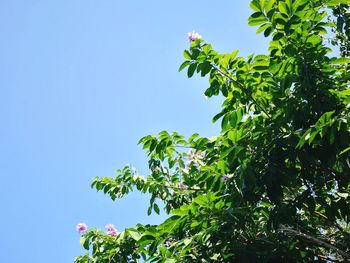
x=273, y=186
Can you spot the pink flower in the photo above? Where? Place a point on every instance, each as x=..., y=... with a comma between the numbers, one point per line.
x=111, y=230
x=193, y=36
x=182, y=186
x=82, y=228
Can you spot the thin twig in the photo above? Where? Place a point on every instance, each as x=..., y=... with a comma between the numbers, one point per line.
x=334, y=223
x=242, y=88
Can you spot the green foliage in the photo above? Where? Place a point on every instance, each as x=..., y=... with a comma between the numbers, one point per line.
x=274, y=185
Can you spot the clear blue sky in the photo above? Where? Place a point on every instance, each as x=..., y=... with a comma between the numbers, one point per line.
x=80, y=82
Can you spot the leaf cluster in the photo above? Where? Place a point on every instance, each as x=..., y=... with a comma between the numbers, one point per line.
x=274, y=185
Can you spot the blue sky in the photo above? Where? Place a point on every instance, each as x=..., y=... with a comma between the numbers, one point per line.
x=81, y=82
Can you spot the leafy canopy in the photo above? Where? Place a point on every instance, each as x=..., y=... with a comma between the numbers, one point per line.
x=273, y=186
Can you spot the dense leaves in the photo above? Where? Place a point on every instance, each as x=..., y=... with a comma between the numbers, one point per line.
x=274, y=185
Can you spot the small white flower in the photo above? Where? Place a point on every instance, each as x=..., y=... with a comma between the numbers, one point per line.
x=225, y=178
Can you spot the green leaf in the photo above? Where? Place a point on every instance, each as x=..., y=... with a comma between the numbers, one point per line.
x=170, y=223
x=191, y=70
x=156, y=208
x=289, y=4
x=201, y=200
x=187, y=55
x=233, y=119
x=263, y=27
x=314, y=39
x=282, y=7
x=331, y=3
x=344, y=151
x=269, y=5
x=184, y=65
x=179, y=212
x=207, y=48
x=255, y=5
x=266, y=204
x=325, y=118
x=275, y=67
x=218, y=116
x=268, y=31
x=340, y=61
x=312, y=136
x=232, y=135
x=299, y=5
x=149, y=210
x=332, y=135
x=225, y=121
x=257, y=18
x=260, y=65
x=85, y=242
x=234, y=53
x=146, y=239
x=303, y=139
x=205, y=69
x=134, y=234
x=262, y=2
x=281, y=22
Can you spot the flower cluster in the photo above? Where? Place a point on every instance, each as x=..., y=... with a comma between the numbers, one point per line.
x=193, y=36
x=194, y=157
x=111, y=230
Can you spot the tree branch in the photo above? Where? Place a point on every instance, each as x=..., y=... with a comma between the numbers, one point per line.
x=288, y=230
